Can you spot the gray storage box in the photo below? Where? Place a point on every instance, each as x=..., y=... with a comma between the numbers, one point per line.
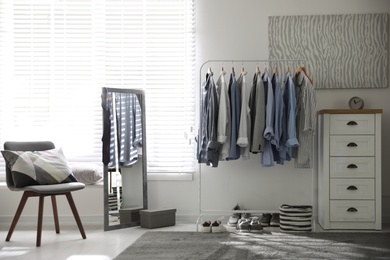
x=158, y=218
x=129, y=215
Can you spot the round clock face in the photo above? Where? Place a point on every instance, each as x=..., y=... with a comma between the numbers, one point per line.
x=356, y=103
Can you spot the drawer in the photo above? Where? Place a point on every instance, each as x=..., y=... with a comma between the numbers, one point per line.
x=356, y=145
x=352, y=189
x=352, y=167
x=352, y=124
x=352, y=210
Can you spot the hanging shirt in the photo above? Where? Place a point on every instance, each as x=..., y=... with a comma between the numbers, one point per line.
x=306, y=121
x=208, y=147
x=258, y=114
x=267, y=157
x=235, y=109
x=289, y=132
x=245, y=120
x=224, y=125
x=277, y=145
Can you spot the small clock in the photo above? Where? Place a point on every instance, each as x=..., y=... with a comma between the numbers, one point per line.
x=356, y=103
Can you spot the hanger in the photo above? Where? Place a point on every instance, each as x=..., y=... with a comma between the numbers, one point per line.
x=300, y=69
x=222, y=69
x=288, y=69
x=209, y=70
x=242, y=69
x=257, y=69
x=275, y=69
x=232, y=69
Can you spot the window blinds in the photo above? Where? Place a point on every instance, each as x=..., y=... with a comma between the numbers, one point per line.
x=57, y=55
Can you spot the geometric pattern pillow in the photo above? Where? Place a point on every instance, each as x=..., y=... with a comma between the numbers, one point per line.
x=38, y=168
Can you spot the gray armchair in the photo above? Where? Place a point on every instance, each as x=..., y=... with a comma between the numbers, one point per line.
x=41, y=191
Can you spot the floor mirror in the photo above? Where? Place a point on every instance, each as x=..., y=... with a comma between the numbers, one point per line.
x=124, y=157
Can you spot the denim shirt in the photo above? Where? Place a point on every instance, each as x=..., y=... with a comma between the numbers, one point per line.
x=267, y=157
x=208, y=147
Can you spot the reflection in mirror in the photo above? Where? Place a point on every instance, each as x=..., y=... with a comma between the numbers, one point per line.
x=124, y=157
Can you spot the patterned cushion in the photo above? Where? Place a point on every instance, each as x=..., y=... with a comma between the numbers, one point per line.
x=38, y=168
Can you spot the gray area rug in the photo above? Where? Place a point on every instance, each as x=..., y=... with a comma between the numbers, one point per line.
x=265, y=245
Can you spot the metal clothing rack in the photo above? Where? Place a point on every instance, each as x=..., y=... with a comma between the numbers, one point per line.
x=201, y=212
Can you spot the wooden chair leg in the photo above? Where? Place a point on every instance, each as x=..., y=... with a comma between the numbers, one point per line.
x=40, y=218
x=55, y=213
x=75, y=214
x=19, y=211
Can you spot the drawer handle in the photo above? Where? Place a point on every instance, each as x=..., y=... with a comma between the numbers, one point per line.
x=352, y=123
x=352, y=187
x=352, y=166
x=352, y=209
x=352, y=145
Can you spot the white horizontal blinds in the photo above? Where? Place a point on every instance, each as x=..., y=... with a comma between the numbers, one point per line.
x=53, y=95
x=170, y=98
x=57, y=55
x=151, y=45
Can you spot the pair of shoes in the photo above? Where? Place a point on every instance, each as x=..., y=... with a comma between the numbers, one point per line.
x=251, y=224
x=215, y=227
x=269, y=219
x=233, y=219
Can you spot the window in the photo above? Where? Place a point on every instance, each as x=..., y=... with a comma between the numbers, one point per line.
x=57, y=55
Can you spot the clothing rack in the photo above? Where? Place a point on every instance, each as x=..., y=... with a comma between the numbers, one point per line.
x=201, y=211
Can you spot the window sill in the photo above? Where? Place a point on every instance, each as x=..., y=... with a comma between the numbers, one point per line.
x=170, y=176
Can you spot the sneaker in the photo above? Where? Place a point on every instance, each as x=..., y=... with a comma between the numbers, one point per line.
x=243, y=225
x=274, y=222
x=233, y=219
x=217, y=227
x=255, y=225
x=265, y=219
x=205, y=227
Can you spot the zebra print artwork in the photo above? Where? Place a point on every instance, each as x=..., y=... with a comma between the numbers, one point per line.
x=339, y=51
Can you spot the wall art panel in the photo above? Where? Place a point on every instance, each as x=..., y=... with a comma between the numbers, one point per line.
x=340, y=51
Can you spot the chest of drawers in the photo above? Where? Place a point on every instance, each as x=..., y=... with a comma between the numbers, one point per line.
x=349, y=169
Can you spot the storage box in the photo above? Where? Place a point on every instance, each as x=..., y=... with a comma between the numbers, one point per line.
x=129, y=215
x=158, y=218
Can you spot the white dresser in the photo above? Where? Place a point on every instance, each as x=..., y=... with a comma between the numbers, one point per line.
x=349, y=169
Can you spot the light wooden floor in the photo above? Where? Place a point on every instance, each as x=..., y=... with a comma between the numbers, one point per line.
x=68, y=245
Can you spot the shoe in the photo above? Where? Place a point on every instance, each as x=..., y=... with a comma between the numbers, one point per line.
x=265, y=219
x=233, y=219
x=217, y=227
x=255, y=225
x=274, y=222
x=243, y=225
x=205, y=227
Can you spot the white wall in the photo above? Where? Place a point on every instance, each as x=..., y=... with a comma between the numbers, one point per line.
x=238, y=29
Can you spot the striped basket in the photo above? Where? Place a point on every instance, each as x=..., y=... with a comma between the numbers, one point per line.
x=295, y=218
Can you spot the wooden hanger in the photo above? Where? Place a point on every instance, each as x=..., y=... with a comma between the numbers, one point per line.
x=232, y=69
x=288, y=69
x=275, y=69
x=300, y=69
x=257, y=69
x=242, y=69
